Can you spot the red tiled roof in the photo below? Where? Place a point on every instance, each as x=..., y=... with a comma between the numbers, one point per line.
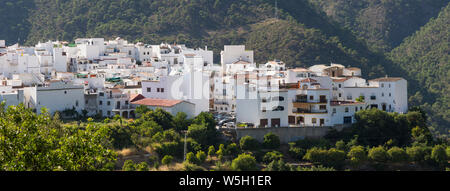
x=340, y=80
x=308, y=80
x=157, y=102
x=387, y=79
x=136, y=97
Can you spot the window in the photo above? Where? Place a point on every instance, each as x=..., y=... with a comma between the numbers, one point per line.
x=278, y=108
x=149, y=89
x=340, y=95
x=100, y=103
x=158, y=90
x=102, y=94
x=382, y=94
x=346, y=110
x=291, y=120
x=109, y=113
x=311, y=97
x=314, y=120
x=390, y=94
x=356, y=109
x=162, y=90
x=86, y=102
x=323, y=107
x=382, y=85
x=340, y=85
x=76, y=103
x=279, y=98
x=108, y=103
x=334, y=110
x=264, y=109
x=65, y=92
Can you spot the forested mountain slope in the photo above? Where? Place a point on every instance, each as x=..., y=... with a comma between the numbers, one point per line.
x=383, y=24
x=425, y=56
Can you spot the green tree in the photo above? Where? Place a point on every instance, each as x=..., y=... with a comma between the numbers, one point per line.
x=272, y=156
x=277, y=165
x=201, y=157
x=439, y=155
x=271, y=141
x=244, y=162
x=32, y=142
x=181, y=122
x=129, y=166
x=143, y=166
x=418, y=153
x=397, y=154
x=340, y=145
x=357, y=155
x=232, y=150
x=211, y=151
x=378, y=154
x=248, y=143
x=167, y=160
x=190, y=157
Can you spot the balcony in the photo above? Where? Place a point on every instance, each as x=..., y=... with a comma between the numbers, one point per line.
x=117, y=97
x=124, y=107
x=307, y=111
x=220, y=103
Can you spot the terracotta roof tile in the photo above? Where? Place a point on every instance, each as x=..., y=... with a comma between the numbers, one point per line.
x=136, y=97
x=157, y=102
x=387, y=79
x=308, y=80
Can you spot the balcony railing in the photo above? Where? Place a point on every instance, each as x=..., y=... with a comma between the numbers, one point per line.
x=306, y=111
x=311, y=101
x=125, y=107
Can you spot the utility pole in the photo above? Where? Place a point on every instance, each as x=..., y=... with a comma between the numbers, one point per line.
x=185, y=146
x=276, y=9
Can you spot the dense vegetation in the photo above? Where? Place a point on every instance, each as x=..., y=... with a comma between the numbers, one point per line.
x=155, y=141
x=359, y=33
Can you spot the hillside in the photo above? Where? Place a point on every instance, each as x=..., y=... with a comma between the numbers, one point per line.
x=383, y=24
x=351, y=32
x=425, y=56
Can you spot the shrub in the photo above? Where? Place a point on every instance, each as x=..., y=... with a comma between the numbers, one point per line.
x=128, y=166
x=439, y=155
x=271, y=141
x=187, y=166
x=143, y=166
x=340, y=145
x=417, y=153
x=244, y=162
x=335, y=157
x=397, y=154
x=190, y=157
x=167, y=160
x=315, y=168
x=249, y=143
x=296, y=153
x=211, y=151
x=277, y=165
x=272, y=156
x=169, y=148
x=378, y=154
x=316, y=155
x=201, y=157
x=232, y=150
x=357, y=155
